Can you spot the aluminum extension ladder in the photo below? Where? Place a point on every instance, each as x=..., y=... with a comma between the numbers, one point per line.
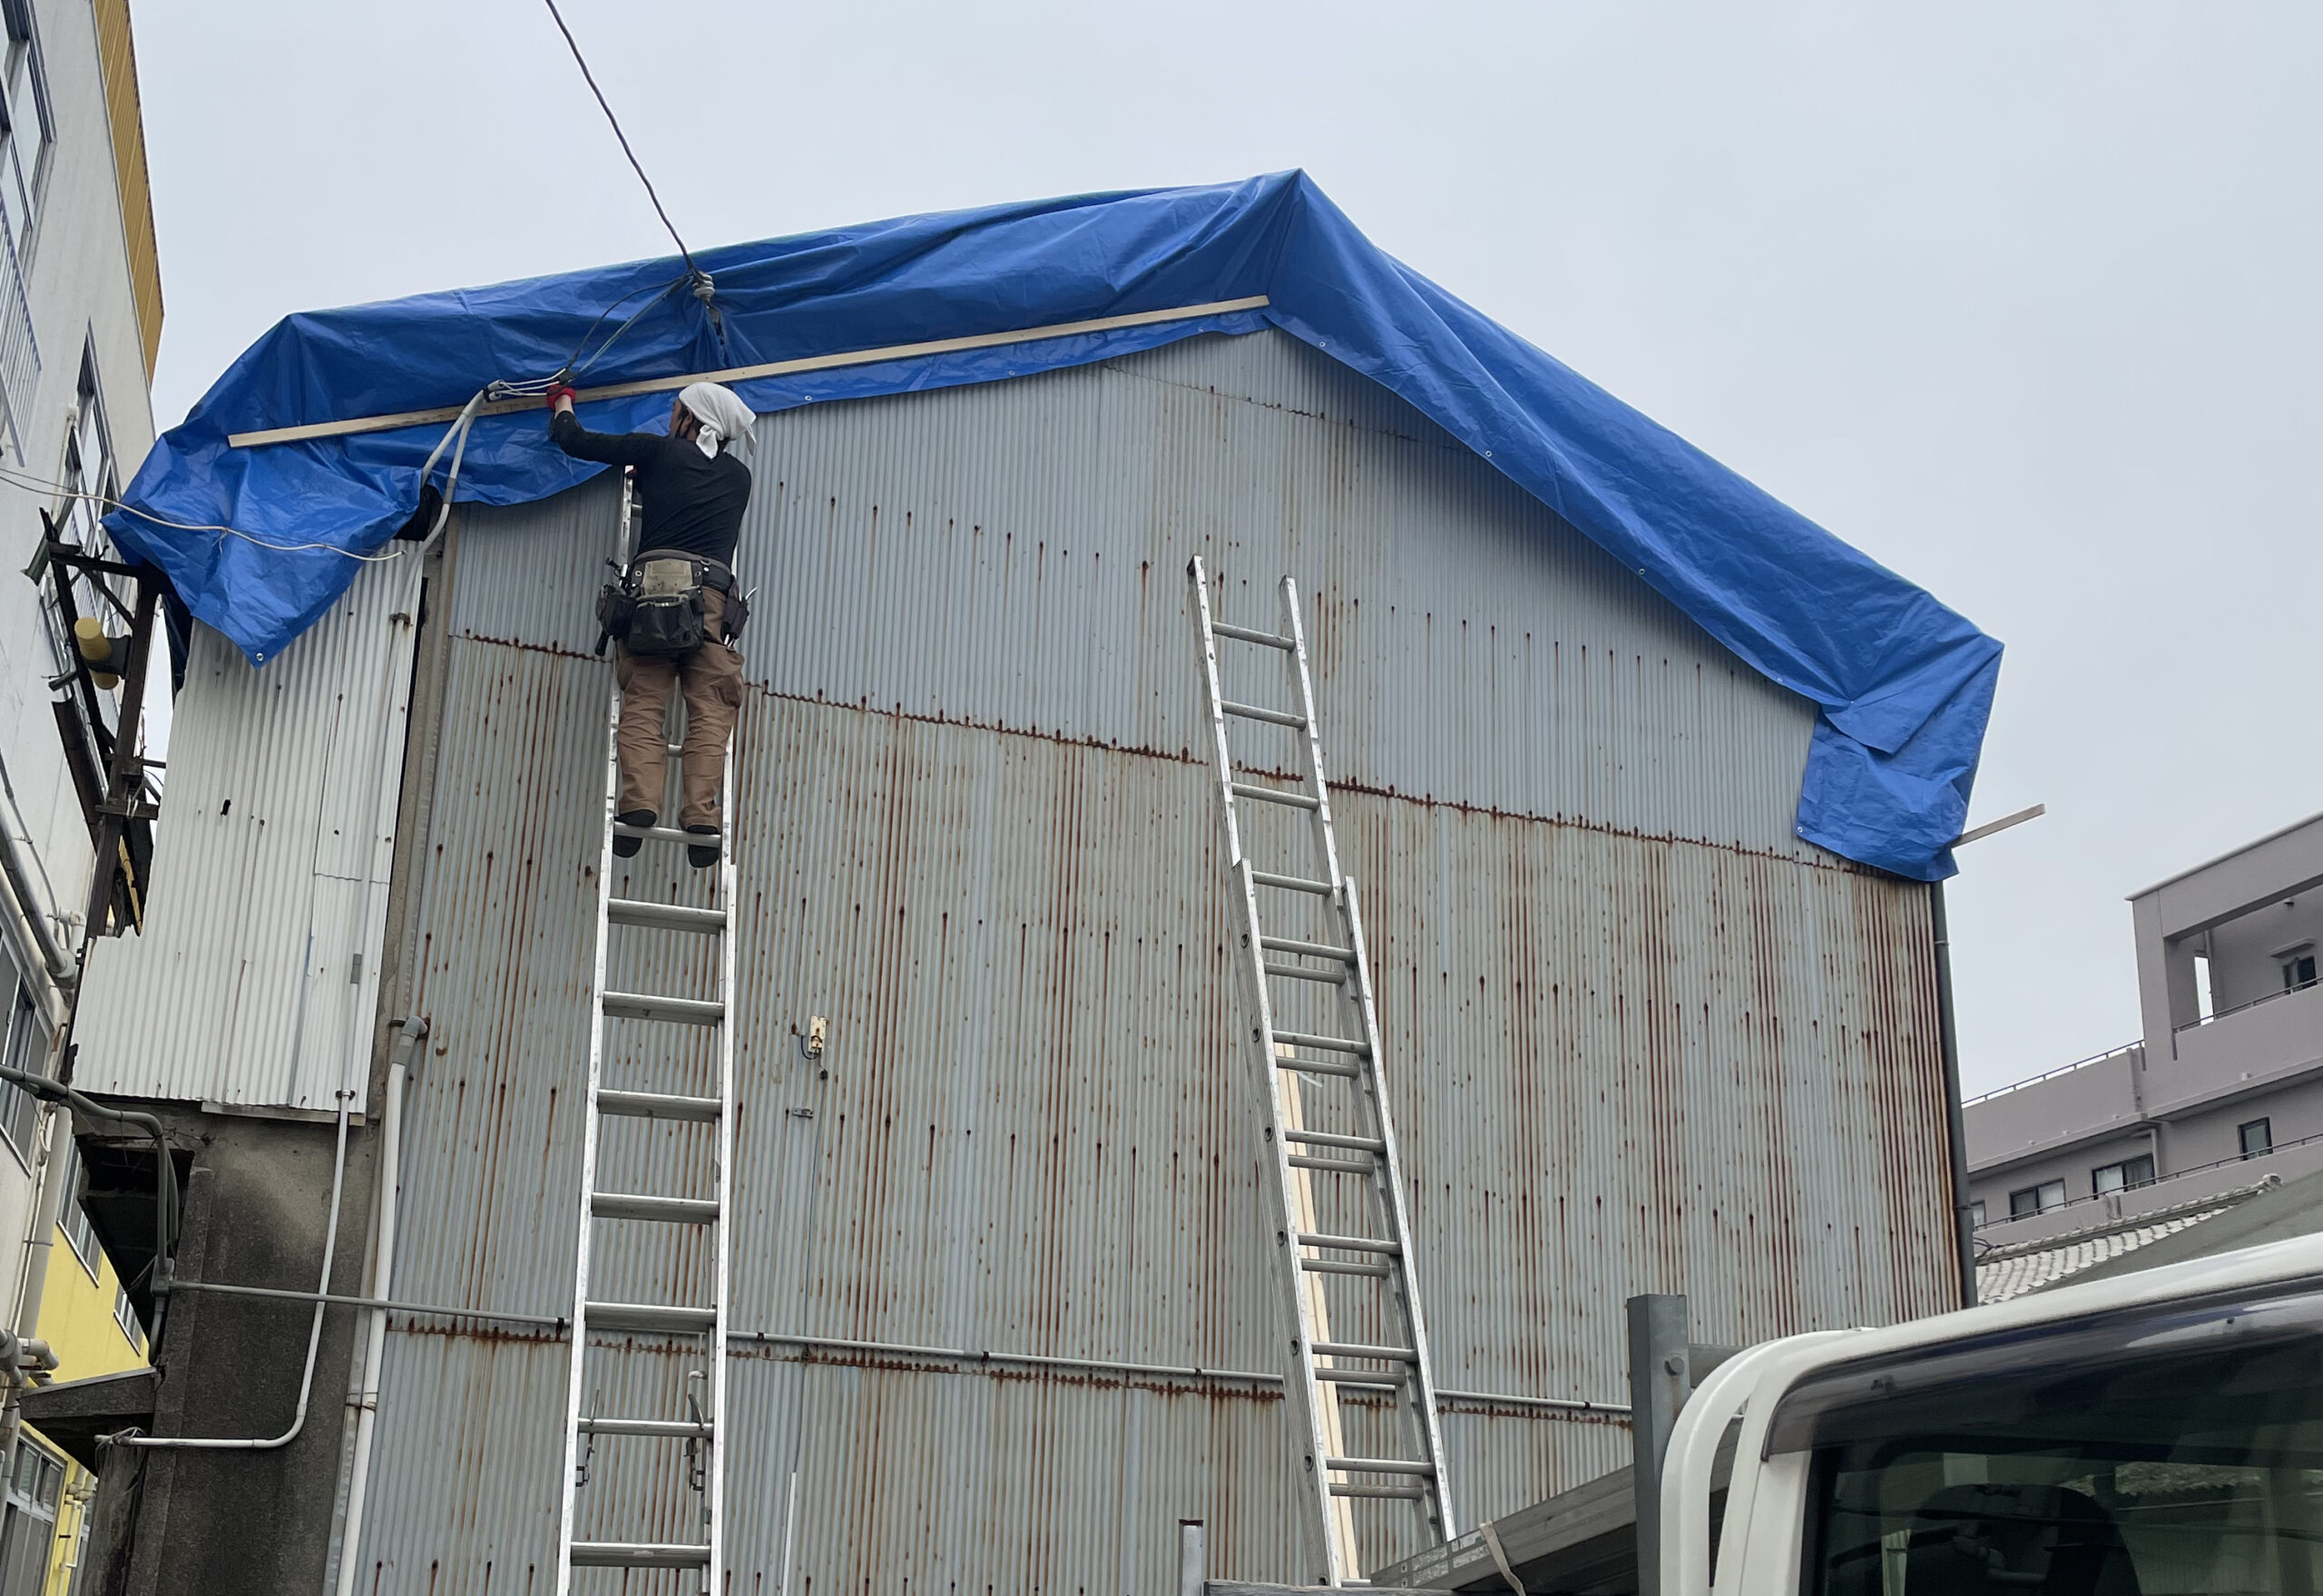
x=701, y=1427
x=1326, y=1115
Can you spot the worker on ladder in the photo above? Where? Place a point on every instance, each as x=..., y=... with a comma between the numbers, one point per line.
x=676, y=612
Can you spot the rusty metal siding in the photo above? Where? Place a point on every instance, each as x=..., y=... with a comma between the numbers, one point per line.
x=270, y=872
x=1012, y=555
x=1638, y=1038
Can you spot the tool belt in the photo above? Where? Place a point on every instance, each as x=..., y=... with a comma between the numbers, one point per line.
x=655, y=609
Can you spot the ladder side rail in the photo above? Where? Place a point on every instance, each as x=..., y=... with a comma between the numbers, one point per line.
x=1302, y=682
x=1302, y=1390
x=1416, y=1398
x=715, y=1447
x=577, y=1365
x=1206, y=637
x=1390, y=1194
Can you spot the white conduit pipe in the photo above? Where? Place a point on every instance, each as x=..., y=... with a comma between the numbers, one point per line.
x=383, y=1269
x=314, y=1339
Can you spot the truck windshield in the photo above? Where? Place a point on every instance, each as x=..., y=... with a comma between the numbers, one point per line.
x=2164, y=1453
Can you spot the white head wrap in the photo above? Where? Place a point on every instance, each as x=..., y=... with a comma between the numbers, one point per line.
x=724, y=418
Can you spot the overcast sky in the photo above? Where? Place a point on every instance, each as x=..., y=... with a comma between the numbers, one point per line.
x=2023, y=299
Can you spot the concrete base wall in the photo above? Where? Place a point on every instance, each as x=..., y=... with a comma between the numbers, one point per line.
x=255, y=1208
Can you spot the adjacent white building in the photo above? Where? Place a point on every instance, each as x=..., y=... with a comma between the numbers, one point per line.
x=80, y=321
x=2223, y=1088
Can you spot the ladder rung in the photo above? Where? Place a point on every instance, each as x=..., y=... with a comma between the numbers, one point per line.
x=630, y=911
x=638, y=1554
x=668, y=833
x=1363, y=1349
x=1303, y=972
x=1320, y=1067
x=684, y=1429
x=1333, y=1139
x=1275, y=795
x=676, y=1211
x=1313, y=950
x=1292, y=883
x=1331, y=1266
x=1244, y=635
x=657, y=1105
x=1261, y=712
x=649, y=1316
x=1378, y=1379
x=1349, y=1244
x=676, y=1010
x=1379, y=1466
x=1393, y=1493
x=1361, y=1050
x=1336, y=1166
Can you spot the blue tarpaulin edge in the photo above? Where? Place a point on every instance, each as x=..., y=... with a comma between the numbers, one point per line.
x=1904, y=684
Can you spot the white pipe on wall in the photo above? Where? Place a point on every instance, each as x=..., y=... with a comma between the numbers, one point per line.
x=383, y=1269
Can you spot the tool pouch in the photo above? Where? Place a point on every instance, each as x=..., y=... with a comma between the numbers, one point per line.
x=663, y=597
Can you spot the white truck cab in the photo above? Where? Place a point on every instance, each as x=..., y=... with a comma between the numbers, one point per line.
x=2156, y=1434
x=2160, y=1433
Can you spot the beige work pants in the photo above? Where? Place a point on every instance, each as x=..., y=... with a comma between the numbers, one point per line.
x=711, y=679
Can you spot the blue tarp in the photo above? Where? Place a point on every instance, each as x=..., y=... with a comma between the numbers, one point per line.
x=1905, y=685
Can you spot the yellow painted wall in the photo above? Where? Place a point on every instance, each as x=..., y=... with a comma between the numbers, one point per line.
x=117, y=54
x=76, y=1321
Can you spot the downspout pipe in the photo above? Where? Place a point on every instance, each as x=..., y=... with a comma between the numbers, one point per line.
x=1948, y=1031
x=60, y=968
x=383, y=1270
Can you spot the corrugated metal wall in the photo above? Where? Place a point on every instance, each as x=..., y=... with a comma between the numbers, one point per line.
x=256, y=977
x=1638, y=1036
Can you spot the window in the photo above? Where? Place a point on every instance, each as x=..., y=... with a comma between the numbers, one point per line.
x=26, y=1040
x=2257, y=1136
x=27, y=129
x=2298, y=968
x=2037, y=1200
x=71, y=1218
x=2122, y=1177
x=126, y=1319
x=88, y=467
x=30, y=1521
x=1976, y=1215
x=2109, y=1462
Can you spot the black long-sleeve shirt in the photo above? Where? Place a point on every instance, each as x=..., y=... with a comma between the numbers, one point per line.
x=692, y=502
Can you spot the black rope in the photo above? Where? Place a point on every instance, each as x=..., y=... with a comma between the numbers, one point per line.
x=574, y=46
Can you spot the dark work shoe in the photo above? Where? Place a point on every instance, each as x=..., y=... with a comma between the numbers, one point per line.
x=702, y=855
x=625, y=848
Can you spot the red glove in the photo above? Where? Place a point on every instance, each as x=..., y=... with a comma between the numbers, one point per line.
x=561, y=391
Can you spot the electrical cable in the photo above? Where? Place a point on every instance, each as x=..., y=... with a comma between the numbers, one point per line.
x=573, y=44
x=32, y=483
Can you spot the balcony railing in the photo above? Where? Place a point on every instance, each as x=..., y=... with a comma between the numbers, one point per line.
x=2244, y=1008
x=2116, y=1053
x=19, y=352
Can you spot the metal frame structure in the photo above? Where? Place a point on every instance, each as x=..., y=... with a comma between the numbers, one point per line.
x=1287, y=1065
x=704, y=1430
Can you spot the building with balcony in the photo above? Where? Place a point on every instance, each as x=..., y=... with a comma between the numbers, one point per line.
x=2223, y=1088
